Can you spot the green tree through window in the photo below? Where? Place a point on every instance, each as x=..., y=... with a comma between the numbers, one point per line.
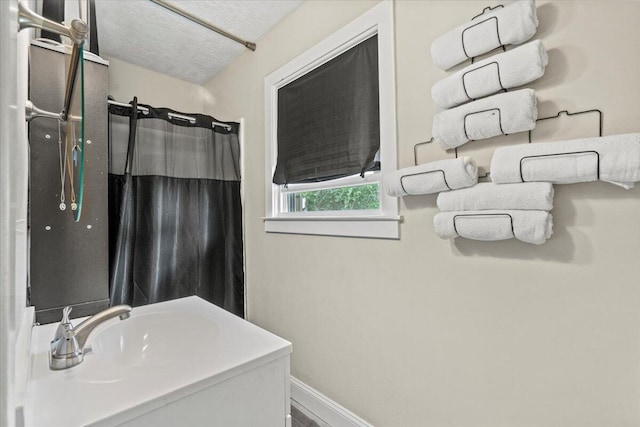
x=360, y=197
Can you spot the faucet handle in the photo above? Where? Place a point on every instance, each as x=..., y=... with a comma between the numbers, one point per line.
x=65, y=324
x=65, y=314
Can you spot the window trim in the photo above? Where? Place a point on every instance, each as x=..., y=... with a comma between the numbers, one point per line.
x=384, y=223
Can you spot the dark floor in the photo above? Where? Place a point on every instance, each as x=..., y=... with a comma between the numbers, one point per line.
x=300, y=419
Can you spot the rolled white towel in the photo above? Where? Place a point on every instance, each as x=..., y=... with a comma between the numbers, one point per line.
x=488, y=196
x=528, y=226
x=614, y=159
x=500, y=114
x=433, y=177
x=513, y=24
x=506, y=70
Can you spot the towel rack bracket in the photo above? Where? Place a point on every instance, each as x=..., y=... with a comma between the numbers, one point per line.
x=567, y=113
x=415, y=150
x=487, y=9
x=504, y=215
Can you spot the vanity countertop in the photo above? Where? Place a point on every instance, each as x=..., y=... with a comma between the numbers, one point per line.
x=122, y=378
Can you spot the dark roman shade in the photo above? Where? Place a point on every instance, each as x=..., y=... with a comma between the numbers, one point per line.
x=329, y=119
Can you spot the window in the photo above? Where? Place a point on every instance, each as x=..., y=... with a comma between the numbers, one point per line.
x=331, y=135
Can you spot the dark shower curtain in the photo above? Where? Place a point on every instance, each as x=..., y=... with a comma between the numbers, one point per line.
x=175, y=213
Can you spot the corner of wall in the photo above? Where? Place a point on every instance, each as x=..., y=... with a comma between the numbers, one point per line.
x=13, y=186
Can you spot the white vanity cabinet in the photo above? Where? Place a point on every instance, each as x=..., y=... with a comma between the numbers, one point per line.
x=258, y=397
x=180, y=363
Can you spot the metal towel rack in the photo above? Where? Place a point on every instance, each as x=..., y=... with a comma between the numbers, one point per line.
x=464, y=75
x=415, y=150
x=494, y=18
x=567, y=113
x=415, y=161
x=476, y=215
x=77, y=32
x=487, y=9
x=455, y=150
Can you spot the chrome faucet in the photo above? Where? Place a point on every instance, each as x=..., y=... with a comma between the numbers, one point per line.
x=67, y=347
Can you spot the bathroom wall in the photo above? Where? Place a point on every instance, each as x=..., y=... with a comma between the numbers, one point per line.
x=13, y=202
x=128, y=80
x=428, y=332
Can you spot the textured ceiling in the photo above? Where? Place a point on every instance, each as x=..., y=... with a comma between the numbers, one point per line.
x=148, y=35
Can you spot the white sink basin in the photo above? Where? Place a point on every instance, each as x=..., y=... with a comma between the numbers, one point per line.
x=163, y=353
x=154, y=339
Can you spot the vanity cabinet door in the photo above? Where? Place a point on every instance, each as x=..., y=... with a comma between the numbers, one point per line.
x=258, y=397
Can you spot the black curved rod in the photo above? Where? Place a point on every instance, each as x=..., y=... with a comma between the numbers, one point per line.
x=491, y=18
x=506, y=215
x=565, y=112
x=562, y=154
x=415, y=150
x=487, y=9
x=464, y=122
x=444, y=178
x=464, y=85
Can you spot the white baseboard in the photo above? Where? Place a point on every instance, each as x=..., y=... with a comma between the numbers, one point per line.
x=328, y=410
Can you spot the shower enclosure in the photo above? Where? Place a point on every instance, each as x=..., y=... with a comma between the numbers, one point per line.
x=69, y=248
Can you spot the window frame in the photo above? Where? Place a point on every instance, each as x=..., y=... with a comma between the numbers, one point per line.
x=379, y=223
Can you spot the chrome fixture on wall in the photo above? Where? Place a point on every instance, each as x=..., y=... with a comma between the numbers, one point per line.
x=33, y=112
x=77, y=32
x=67, y=346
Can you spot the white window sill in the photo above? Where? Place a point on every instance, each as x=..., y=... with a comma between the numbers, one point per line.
x=380, y=227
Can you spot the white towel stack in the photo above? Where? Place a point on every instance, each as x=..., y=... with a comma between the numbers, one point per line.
x=506, y=70
x=614, y=159
x=432, y=177
x=492, y=212
x=504, y=113
x=499, y=114
x=512, y=24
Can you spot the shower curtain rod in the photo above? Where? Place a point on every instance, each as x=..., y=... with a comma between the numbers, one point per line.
x=249, y=45
x=145, y=110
